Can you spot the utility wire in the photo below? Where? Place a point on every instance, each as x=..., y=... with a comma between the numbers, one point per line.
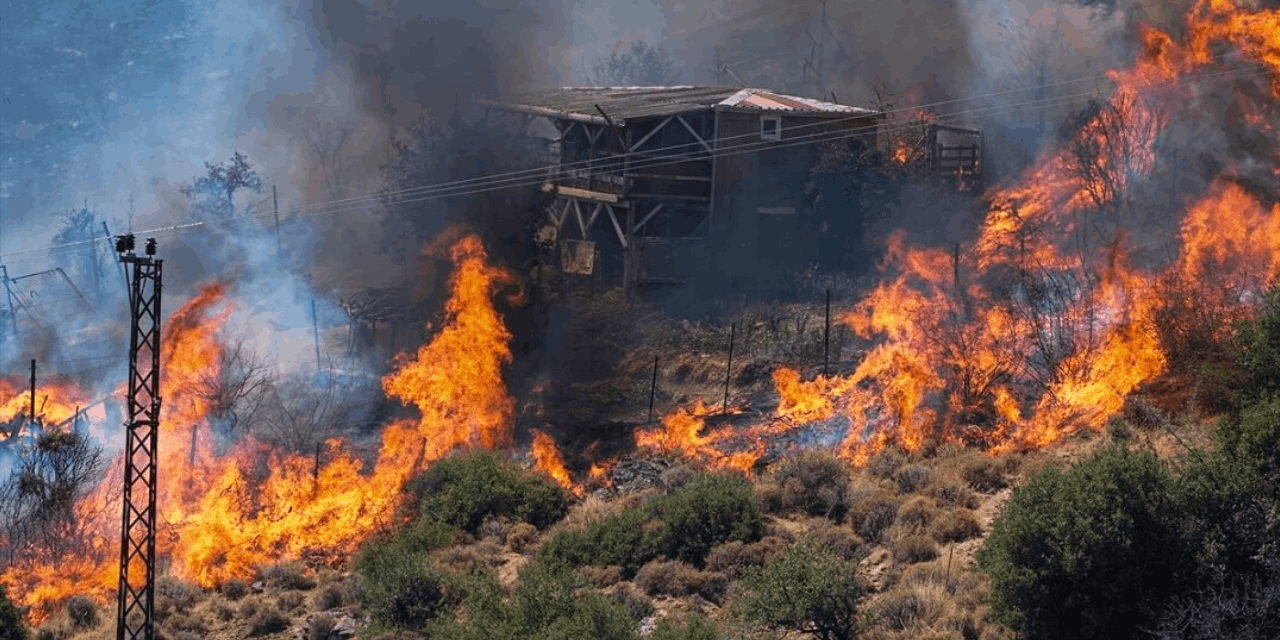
x=537, y=175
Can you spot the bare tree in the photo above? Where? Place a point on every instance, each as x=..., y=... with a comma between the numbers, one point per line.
x=214, y=194
x=83, y=256
x=38, y=503
x=1038, y=70
x=328, y=141
x=238, y=392
x=303, y=411
x=643, y=64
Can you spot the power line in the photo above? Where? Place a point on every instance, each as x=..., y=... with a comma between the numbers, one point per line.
x=535, y=176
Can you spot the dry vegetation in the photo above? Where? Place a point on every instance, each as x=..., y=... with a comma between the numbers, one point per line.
x=912, y=522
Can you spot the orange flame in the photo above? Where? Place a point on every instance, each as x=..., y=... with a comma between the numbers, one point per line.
x=547, y=459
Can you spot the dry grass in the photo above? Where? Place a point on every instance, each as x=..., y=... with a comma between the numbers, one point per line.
x=916, y=514
x=955, y=525
x=871, y=515
x=732, y=557
x=522, y=535
x=674, y=578
x=912, y=549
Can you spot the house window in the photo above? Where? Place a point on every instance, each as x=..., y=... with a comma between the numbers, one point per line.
x=770, y=127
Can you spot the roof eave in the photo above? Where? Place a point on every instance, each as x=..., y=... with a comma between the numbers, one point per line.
x=552, y=113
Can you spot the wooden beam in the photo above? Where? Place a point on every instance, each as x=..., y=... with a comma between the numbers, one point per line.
x=668, y=176
x=591, y=222
x=695, y=134
x=617, y=228
x=650, y=134
x=577, y=213
x=646, y=218
x=586, y=194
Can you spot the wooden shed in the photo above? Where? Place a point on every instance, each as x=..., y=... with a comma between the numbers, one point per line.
x=660, y=184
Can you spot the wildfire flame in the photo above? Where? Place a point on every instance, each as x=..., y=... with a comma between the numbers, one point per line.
x=219, y=518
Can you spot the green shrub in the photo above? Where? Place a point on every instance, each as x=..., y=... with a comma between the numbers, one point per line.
x=709, y=510
x=1254, y=438
x=467, y=489
x=11, y=626
x=1257, y=351
x=695, y=626
x=808, y=589
x=545, y=604
x=684, y=525
x=1089, y=553
x=615, y=540
x=400, y=586
x=813, y=482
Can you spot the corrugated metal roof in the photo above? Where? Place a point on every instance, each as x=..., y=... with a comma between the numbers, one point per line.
x=629, y=103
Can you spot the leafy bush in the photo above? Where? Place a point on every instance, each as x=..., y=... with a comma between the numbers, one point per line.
x=1257, y=346
x=1089, y=553
x=692, y=627
x=467, y=489
x=709, y=510
x=1254, y=438
x=684, y=525
x=11, y=626
x=807, y=589
x=400, y=587
x=813, y=482
x=545, y=604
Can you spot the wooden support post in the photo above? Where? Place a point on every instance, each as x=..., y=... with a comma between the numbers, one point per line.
x=33, y=391
x=826, y=338
x=315, y=328
x=315, y=470
x=191, y=457
x=729, y=367
x=276, y=203
x=653, y=388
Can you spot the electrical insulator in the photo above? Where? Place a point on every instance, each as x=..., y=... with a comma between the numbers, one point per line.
x=151, y=246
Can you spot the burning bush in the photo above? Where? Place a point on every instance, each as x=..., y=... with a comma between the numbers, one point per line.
x=467, y=489
x=807, y=589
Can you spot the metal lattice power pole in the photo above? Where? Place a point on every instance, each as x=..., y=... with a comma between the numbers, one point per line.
x=138, y=527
